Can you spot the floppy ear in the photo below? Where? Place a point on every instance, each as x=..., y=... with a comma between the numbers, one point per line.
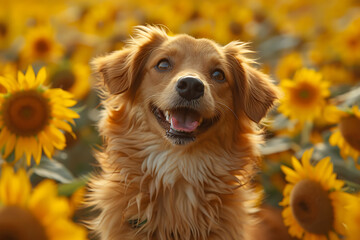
x=256, y=90
x=261, y=94
x=121, y=70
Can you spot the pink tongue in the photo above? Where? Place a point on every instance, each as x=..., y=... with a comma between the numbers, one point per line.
x=184, y=121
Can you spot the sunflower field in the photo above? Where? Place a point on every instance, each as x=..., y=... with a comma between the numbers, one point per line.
x=310, y=175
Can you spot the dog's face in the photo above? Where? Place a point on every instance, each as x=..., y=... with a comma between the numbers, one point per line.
x=187, y=88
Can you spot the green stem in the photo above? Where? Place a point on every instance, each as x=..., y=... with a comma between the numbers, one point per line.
x=305, y=133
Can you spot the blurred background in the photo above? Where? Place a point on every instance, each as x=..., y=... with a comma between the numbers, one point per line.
x=310, y=48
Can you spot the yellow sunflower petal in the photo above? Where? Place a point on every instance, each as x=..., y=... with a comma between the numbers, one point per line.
x=19, y=148
x=297, y=166
x=64, y=126
x=333, y=138
x=355, y=109
x=56, y=136
x=311, y=236
x=295, y=229
x=320, y=170
x=45, y=204
x=4, y=135
x=27, y=145
x=14, y=187
x=65, y=229
x=37, y=153
x=291, y=175
x=64, y=113
x=59, y=93
x=46, y=144
x=33, y=148
x=21, y=78
x=30, y=76
x=306, y=160
x=8, y=84
x=10, y=145
x=41, y=76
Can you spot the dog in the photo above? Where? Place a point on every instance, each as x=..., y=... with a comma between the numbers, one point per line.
x=180, y=131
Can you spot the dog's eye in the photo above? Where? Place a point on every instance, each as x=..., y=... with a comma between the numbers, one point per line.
x=163, y=65
x=218, y=75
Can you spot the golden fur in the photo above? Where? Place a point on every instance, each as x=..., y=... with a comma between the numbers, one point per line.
x=151, y=187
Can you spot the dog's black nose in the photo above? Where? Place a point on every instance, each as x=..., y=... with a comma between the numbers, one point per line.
x=190, y=88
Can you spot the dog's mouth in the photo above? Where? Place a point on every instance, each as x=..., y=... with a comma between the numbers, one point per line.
x=182, y=125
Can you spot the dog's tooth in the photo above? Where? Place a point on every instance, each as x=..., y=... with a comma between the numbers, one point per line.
x=167, y=115
x=201, y=120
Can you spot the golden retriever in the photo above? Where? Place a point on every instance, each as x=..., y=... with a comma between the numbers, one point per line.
x=180, y=139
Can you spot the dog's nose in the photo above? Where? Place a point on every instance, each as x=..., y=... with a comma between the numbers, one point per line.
x=190, y=88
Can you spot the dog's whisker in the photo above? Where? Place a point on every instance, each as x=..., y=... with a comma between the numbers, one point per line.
x=148, y=99
x=229, y=109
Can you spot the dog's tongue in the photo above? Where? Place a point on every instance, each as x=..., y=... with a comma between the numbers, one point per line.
x=185, y=120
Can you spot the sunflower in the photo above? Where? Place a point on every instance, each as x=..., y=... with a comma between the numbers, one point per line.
x=347, y=135
x=74, y=79
x=337, y=74
x=304, y=96
x=348, y=43
x=99, y=19
x=32, y=116
x=288, y=65
x=314, y=205
x=27, y=214
x=40, y=44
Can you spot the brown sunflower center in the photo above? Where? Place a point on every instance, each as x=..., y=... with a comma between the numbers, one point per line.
x=42, y=46
x=26, y=113
x=19, y=224
x=2, y=89
x=63, y=79
x=3, y=30
x=305, y=94
x=311, y=207
x=353, y=43
x=350, y=130
x=236, y=28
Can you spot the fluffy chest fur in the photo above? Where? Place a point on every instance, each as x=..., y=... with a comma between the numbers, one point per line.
x=174, y=193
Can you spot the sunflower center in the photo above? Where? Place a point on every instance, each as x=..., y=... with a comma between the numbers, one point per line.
x=100, y=25
x=26, y=113
x=42, y=46
x=236, y=28
x=305, y=94
x=19, y=224
x=311, y=207
x=353, y=43
x=3, y=30
x=350, y=130
x=2, y=89
x=63, y=79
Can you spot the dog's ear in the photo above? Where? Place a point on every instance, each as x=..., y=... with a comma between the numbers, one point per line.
x=261, y=95
x=256, y=90
x=121, y=70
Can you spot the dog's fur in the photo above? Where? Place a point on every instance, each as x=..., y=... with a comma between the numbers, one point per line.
x=154, y=185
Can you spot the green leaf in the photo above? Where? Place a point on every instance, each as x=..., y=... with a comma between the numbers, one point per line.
x=53, y=169
x=276, y=145
x=68, y=189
